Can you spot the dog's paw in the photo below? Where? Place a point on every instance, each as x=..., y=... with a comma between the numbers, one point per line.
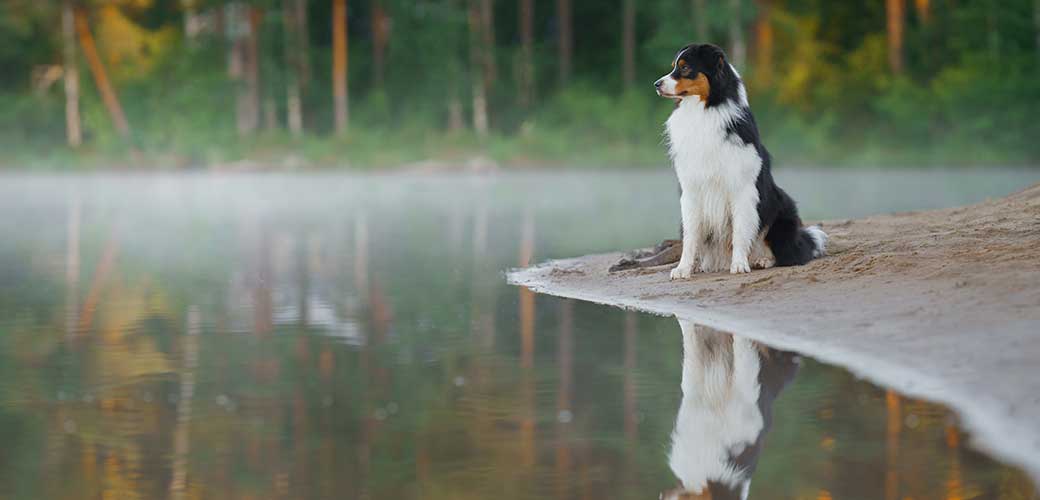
x=739, y=267
x=763, y=263
x=682, y=272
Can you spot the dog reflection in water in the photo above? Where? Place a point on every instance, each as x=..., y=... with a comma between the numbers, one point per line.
x=728, y=388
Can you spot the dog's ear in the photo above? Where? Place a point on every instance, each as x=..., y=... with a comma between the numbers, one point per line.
x=714, y=60
x=718, y=62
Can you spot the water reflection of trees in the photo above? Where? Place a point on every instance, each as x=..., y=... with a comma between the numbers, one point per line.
x=326, y=362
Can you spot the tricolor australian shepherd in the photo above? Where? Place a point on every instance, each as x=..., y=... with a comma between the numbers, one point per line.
x=733, y=215
x=729, y=385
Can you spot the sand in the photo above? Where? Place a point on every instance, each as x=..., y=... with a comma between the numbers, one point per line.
x=942, y=305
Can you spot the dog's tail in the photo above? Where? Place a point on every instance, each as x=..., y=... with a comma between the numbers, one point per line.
x=792, y=244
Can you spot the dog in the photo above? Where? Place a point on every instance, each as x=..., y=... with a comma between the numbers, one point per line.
x=734, y=216
x=729, y=385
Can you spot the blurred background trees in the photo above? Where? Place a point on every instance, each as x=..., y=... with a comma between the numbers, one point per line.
x=205, y=82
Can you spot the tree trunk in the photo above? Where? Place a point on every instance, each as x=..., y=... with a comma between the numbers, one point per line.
x=303, y=39
x=455, y=123
x=97, y=68
x=566, y=40
x=526, y=73
x=339, y=65
x=478, y=69
x=700, y=19
x=924, y=10
x=73, y=130
x=764, y=44
x=293, y=66
x=894, y=11
x=737, y=44
x=380, y=39
x=1036, y=22
x=628, y=41
x=243, y=22
x=270, y=114
x=251, y=104
x=487, y=31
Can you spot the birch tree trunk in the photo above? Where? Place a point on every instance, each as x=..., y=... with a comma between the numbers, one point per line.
x=73, y=127
x=566, y=40
x=628, y=41
x=737, y=44
x=894, y=12
x=339, y=66
x=526, y=71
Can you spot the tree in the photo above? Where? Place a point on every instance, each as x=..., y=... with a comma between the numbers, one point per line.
x=295, y=54
x=525, y=75
x=737, y=44
x=764, y=43
x=894, y=12
x=97, y=68
x=924, y=10
x=73, y=130
x=1036, y=24
x=628, y=41
x=700, y=19
x=339, y=66
x=243, y=24
x=480, y=72
x=487, y=31
x=380, y=39
x=565, y=40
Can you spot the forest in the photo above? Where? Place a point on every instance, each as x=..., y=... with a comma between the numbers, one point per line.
x=153, y=84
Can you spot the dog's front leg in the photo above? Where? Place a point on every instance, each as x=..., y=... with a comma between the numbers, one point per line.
x=745, y=229
x=691, y=233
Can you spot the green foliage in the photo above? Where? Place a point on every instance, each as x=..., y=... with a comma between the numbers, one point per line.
x=968, y=95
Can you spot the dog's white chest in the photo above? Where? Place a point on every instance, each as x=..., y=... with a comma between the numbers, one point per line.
x=703, y=151
x=711, y=165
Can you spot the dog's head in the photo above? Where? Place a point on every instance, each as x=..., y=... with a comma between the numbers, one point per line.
x=700, y=72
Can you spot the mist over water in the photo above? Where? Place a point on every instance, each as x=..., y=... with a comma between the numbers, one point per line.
x=280, y=336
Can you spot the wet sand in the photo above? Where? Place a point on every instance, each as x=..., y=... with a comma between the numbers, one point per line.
x=942, y=305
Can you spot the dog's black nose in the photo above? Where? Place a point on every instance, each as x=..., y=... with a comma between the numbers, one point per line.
x=658, y=84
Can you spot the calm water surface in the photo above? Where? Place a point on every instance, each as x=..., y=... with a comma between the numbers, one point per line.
x=352, y=337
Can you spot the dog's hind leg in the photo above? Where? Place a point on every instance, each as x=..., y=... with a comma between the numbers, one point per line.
x=666, y=252
x=761, y=255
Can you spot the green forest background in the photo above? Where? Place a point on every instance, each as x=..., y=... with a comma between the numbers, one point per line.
x=380, y=83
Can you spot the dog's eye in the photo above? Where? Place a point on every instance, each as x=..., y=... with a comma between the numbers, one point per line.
x=685, y=71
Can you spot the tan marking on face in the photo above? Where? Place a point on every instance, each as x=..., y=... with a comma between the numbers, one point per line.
x=698, y=86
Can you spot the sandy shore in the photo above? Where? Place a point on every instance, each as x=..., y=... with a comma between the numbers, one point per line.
x=943, y=305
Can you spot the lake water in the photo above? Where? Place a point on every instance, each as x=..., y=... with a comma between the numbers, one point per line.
x=278, y=336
